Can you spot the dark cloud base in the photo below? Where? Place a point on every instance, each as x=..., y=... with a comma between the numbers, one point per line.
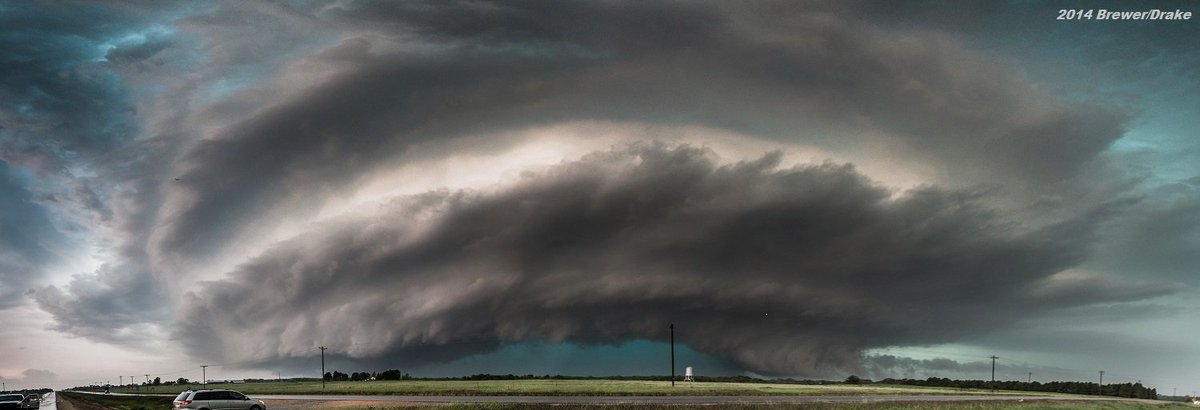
x=783, y=271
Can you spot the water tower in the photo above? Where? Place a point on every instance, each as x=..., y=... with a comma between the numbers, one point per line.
x=687, y=374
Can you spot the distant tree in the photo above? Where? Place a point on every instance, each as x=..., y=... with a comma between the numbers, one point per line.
x=158, y=381
x=853, y=380
x=328, y=376
x=182, y=380
x=390, y=374
x=340, y=377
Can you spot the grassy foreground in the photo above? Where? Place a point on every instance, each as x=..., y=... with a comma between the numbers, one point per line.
x=562, y=388
x=118, y=402
x=162, y=403
x=818, y=406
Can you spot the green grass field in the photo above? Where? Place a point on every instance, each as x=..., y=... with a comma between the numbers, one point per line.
x=163, y=403
x=821, y=406
x=563, y=388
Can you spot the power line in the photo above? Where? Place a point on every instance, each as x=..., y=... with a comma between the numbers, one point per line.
x=941, y=353
x=1121, y=376
x=1067, y=370
x=994, y=373
x=322, y=366
x=161, y=374
x=672, y=354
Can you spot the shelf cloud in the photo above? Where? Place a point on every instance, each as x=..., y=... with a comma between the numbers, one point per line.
x=780, y=270
x=794, y=185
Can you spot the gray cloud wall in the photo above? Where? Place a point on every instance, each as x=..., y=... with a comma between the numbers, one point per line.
x=807, y=73
x=791, y=271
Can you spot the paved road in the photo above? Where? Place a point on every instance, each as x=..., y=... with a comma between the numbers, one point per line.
x=49, y=401
x=666, y=399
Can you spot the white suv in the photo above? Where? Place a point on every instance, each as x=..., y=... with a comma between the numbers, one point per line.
x=19, y=401
x=217, y=400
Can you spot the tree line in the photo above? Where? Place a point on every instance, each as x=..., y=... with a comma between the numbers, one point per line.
x=390, y=374
x=397, y=375
x=1129, y=390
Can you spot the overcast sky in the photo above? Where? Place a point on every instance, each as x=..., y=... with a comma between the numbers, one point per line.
x=805, y=189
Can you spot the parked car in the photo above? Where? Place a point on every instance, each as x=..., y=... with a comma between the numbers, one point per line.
x=18, y=401
x=32, y=401
x=217, y=400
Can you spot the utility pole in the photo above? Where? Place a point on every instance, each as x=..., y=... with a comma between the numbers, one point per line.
x=672, y=355
x=121, y=380
x=1030, y=378
x=147, y=380
x=1101, y=382
x=204, y=376
x=322, y=366
x=994, y=373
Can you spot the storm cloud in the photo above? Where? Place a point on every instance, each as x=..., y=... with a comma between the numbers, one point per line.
x=59, y=100
x=794, y=185
x=783, y=271
x=421, y=72
x=57, y=104
x=27, y=241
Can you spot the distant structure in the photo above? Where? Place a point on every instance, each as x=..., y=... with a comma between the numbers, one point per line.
x=687, y=374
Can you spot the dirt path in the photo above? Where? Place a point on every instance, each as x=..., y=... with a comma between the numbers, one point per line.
x=65, y=403
x=334, y=404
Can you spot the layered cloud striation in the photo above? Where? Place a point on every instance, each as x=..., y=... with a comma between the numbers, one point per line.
x=790, y=183
x=781, y=270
